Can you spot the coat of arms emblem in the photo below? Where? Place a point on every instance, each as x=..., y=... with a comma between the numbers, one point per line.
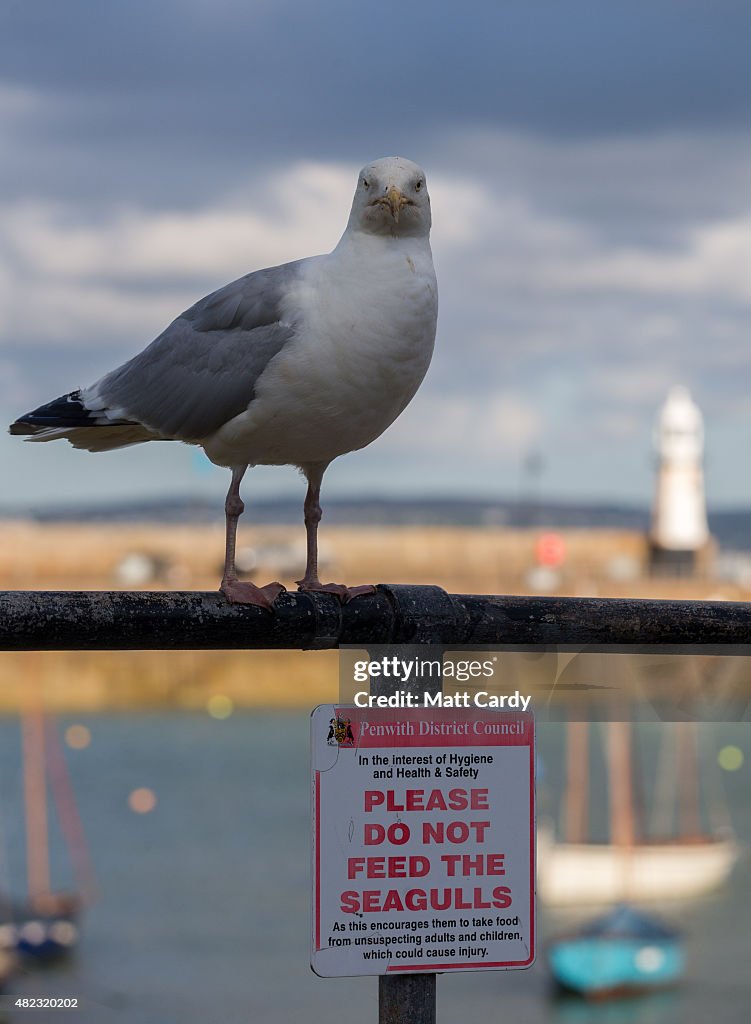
x=340, y=732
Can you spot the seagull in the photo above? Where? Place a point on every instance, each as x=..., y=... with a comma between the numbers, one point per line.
x=292, y=365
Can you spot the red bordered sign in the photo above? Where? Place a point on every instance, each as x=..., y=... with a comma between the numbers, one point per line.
x=423, y=841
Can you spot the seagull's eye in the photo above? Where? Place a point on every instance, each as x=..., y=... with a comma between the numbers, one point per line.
x=418, y=185
x=365, y=183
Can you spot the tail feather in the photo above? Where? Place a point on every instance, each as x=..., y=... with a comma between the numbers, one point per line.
x=67, y=417
x=96, y=439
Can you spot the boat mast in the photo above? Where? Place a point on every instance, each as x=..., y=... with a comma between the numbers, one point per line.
x=577, y=782
x=35, y=799
x=67, y=814
x=688, y=780
x=621, y=783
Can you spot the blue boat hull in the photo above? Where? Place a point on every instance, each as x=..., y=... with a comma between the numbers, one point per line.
x=40, y=938
x=625, y=951
x=597, y=966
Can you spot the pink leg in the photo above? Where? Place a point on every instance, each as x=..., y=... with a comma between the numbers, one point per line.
x=237, y=591
x=313, y=515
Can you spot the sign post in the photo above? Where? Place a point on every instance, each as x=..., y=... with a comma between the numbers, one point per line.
x=423, y=847
x=405, y=998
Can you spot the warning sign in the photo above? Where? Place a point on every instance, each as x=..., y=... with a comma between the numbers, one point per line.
x=423, y=840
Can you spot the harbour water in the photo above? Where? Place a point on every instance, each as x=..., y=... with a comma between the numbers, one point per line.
x=203, y=913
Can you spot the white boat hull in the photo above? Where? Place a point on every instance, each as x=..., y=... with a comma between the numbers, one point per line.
x=576, y=873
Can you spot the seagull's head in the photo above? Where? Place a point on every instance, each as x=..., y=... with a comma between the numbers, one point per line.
x=391, y=198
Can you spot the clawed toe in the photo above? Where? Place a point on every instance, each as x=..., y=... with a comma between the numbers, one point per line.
x=241, y=592
x=341, y=591
x=352, y=592
x=323, y=588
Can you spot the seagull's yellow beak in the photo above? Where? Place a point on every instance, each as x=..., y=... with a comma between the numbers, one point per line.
x=395, y=200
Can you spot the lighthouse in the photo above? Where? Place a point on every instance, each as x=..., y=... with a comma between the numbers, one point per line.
x=679, y=535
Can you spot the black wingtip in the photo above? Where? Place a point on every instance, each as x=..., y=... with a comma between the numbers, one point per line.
x=66, y=411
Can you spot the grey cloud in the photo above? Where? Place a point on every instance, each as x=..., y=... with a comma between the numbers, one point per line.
x=287, y=76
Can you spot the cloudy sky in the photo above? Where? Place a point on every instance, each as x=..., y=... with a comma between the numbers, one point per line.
x=590, y=170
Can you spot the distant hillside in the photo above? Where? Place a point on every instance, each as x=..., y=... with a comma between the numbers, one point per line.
x=732, y=528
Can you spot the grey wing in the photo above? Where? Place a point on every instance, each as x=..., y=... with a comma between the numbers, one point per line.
x=203, y=369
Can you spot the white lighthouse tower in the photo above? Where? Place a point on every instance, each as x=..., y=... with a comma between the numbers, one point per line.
x=679, y=532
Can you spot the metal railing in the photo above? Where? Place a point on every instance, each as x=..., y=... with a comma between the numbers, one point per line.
x=395, y=614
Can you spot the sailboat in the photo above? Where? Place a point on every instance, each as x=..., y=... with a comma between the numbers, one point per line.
x=45, y=927
x=631, y=866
